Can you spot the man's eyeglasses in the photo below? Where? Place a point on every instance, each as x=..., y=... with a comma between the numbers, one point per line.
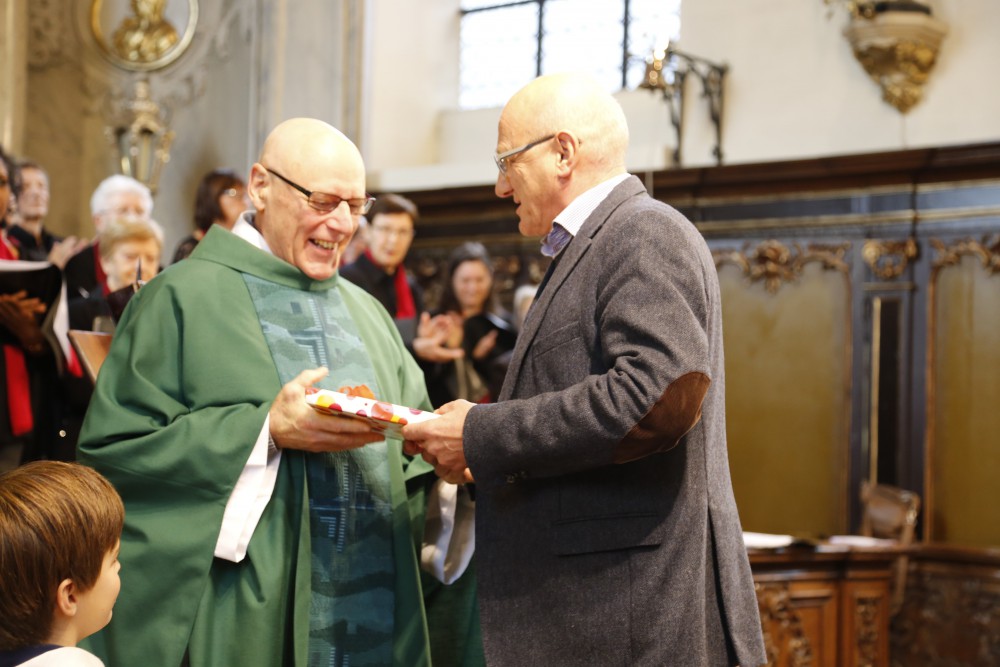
x=501, y=158
x=325, y=202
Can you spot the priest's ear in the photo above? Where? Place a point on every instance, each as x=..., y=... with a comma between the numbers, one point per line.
x=257, y=186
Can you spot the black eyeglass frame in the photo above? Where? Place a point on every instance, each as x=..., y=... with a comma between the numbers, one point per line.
x=357, y=206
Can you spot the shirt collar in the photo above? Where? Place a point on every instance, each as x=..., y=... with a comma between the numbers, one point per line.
x=572, y=217
x=245, y=229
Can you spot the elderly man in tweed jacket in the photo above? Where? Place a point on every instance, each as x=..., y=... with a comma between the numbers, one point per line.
x=606, y=528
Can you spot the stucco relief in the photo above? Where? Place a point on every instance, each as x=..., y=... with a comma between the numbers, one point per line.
x=46, y=33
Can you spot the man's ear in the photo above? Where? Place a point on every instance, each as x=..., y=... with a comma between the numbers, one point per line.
x=66, y=598
x=257, y=186
x=569, y=148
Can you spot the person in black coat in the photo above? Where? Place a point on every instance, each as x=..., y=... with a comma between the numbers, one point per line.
x=480, y=329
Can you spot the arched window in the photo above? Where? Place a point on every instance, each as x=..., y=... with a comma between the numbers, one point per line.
x=507, y=43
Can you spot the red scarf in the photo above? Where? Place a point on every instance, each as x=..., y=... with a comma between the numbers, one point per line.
x=405, y=307
x=18, y=384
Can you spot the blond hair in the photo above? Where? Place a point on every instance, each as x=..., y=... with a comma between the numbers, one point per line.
x=118, y=230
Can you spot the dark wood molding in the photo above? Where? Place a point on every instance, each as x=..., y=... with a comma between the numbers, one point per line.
x=458, y=205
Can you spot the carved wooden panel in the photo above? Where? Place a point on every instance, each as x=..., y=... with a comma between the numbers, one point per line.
x=824, y=608
x=951, y=612
x=864, y=623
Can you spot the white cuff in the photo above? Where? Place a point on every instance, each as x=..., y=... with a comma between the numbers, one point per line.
x=249, y=498
x=449, y=532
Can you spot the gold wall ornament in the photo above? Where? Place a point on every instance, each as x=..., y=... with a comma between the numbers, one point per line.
x=897, y=47
x=775, y=263
x=888, y=259
x=143, y=35
x=140, y=135
x=987, y=251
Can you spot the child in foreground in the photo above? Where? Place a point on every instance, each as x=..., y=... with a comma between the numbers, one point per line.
x=60, y=526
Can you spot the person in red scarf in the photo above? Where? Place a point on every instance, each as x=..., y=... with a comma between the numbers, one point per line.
x=20, y=339
x=380, y=272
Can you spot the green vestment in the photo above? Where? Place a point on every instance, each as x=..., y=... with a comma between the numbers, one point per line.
x=177, y=408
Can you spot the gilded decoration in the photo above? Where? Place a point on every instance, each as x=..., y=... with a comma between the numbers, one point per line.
x=987, y=251
x=889, y=259
x=782, y=626
x=897, y=43
x=143, y=35
x=775, y=263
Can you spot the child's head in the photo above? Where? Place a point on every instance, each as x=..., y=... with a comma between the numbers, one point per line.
x=60, y=524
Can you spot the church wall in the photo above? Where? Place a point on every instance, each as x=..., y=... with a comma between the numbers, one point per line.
x=794, y=90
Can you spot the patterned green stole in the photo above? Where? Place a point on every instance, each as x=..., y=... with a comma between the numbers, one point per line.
x=350, y=509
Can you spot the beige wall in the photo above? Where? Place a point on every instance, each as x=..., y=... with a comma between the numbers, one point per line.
x=794, y=91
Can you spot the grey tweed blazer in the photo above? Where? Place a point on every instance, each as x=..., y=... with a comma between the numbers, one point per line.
x=606, y=529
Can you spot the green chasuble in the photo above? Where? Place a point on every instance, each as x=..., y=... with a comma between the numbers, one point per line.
x=176, y=411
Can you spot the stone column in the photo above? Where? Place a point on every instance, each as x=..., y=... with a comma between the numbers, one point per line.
x=13, y=73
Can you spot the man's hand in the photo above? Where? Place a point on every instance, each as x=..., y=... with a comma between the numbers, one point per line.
x=431, y=342
x=295, y=425
x=439, y=441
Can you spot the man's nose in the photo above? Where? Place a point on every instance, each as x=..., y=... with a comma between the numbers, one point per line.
x=341, y=219
x=503, y=189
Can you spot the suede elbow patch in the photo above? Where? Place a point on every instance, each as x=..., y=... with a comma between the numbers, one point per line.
x=676, y=412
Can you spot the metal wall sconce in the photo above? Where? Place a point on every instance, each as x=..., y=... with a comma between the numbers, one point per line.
x=667, y=72
x=897, y=43
x=141, y=136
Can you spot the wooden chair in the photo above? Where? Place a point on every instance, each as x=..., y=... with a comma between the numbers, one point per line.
x=891, y=513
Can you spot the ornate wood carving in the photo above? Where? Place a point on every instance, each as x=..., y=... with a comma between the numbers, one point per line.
x=781, y=626
x=888, y=259
x=866, y=620
x=950, y=617
x=775, y=263
x=987, y=250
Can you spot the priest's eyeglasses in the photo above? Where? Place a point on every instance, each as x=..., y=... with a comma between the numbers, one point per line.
x=325, y=202
x=501, y=158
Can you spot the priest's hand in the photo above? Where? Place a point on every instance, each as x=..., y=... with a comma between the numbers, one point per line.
x=295, y=425
x=439, y=441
